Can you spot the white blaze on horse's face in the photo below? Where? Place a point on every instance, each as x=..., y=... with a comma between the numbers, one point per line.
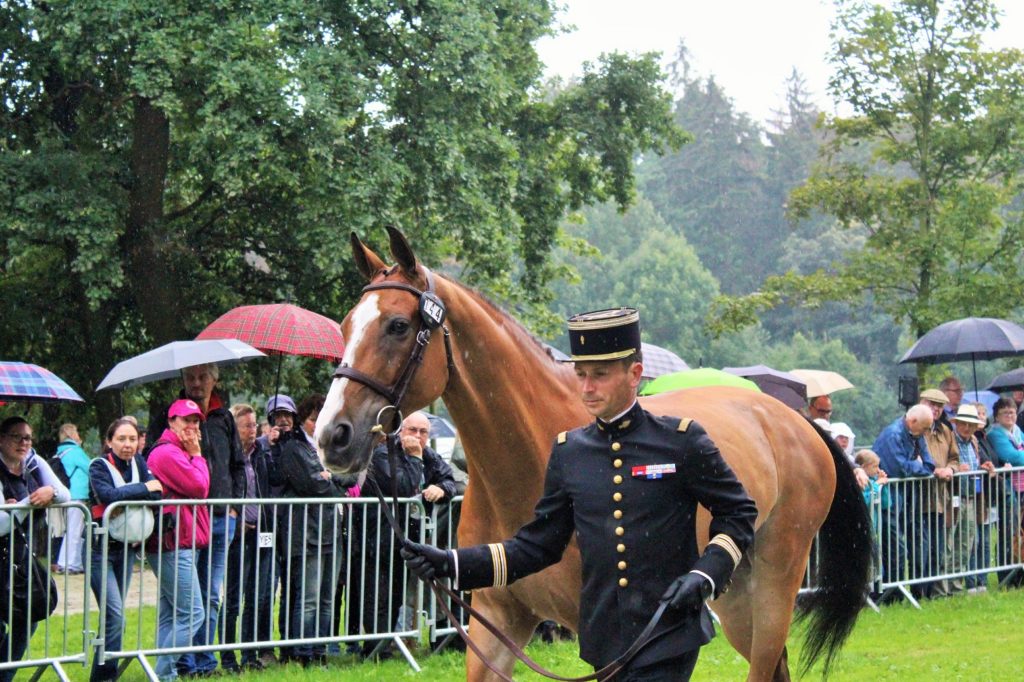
x=362, y=316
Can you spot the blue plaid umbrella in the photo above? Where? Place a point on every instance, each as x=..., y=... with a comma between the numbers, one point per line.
x=25, y=382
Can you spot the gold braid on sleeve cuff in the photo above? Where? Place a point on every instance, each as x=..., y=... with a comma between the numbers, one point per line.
x=500, y=564
x=729, y=545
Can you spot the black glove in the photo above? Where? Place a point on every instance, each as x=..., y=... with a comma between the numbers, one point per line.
x=426, y=562
x=687, y=592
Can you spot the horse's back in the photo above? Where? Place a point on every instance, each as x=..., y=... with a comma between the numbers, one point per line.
x=774, y=450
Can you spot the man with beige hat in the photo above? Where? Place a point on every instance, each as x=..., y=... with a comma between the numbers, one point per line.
x=937, y=500
x=962, y=527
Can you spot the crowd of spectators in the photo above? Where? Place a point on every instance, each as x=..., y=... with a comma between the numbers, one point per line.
x=932, y=480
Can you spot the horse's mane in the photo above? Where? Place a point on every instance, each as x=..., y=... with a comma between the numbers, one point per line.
x=500, y=313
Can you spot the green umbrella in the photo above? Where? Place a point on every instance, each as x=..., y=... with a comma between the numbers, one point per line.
x=694, y=378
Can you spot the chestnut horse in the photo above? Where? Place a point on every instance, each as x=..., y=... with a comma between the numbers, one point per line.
x=509, y=399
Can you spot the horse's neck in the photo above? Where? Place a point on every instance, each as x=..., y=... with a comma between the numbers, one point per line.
x=509, y=400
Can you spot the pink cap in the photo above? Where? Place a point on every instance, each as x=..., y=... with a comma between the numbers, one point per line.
x=185, y=408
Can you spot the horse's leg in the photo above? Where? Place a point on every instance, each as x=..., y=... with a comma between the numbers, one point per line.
x=512, y=618
x=734, y=610
x=778, y=570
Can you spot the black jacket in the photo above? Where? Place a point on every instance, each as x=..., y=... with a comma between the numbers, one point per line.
x=629, y=492
x=413, y=473
x=221, y=447
x=301, y=473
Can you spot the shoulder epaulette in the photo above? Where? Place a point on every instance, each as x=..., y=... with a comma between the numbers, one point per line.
x=684, y=424
x=562, y=437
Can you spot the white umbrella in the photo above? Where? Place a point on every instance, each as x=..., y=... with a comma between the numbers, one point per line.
x=166, y=362
x=821, y=381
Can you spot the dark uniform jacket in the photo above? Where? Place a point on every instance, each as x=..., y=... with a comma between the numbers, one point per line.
x=629, y=490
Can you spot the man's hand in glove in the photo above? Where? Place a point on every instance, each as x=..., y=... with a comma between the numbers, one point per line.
x=688, y=592
x=426, y=562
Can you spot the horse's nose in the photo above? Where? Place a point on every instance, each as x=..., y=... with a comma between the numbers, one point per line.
x=339, y=438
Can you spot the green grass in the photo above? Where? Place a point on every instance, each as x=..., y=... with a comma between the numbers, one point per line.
x=974, y=637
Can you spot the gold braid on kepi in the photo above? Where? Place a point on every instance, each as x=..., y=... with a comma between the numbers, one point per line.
x=599, y=335
x=500, y=564
x=729, y=545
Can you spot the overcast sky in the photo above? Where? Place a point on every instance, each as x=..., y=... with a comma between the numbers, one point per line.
x=750, y=46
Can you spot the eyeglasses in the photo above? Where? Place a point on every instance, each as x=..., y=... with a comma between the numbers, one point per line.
x=18, y=438
x=1007, y=413
x=827, y=413
x=413, y=429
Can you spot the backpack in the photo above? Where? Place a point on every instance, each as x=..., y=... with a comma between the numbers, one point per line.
x=58, y=469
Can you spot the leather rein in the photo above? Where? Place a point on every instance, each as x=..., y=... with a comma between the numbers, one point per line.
x=395, y=393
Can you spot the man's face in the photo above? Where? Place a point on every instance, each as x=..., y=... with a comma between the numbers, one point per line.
x=199, y=383
x=954, y=392
x=607, y=388
x=418, y=426
x=821, y=408
x=283, y=419
x=936, y=408
x=246, y=429
x=964, y=429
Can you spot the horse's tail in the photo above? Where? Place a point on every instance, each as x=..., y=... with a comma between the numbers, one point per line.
x=845, y=550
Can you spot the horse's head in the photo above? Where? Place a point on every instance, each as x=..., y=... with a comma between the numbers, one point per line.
x=384, y=332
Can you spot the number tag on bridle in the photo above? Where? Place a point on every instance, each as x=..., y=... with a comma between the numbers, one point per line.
x=432, y=310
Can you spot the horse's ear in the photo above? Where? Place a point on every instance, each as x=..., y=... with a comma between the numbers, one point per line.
x=401, y=251
x=368, y=263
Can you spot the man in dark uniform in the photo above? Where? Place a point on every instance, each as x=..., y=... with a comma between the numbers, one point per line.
x=628, y=485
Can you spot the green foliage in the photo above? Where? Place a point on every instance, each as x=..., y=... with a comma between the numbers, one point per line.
x=941, y=120
x=643, y=264
x=713, y=190
x=161, y=162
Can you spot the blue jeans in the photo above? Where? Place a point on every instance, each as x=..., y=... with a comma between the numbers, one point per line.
x=249, y=582
x=312, y=580
x=180, y=612
x=17, y=636
x=117, y=574
x=210, y=567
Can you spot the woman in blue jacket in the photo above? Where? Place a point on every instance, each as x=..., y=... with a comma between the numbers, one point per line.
x=119, y=475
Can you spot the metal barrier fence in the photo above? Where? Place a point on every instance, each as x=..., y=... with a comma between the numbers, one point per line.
x=939, y=537
x=313, y=576
x=31, y=534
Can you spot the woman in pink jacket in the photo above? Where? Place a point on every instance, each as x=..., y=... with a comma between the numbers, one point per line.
x=177, y=463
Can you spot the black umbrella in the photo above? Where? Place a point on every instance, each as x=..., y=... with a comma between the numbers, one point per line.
x=1008, y=381
x=784, y=386
x=972, y=338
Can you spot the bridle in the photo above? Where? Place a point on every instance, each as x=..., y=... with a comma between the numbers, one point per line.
x=432, y=316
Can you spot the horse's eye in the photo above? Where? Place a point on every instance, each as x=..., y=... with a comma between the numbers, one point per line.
x=398, y=327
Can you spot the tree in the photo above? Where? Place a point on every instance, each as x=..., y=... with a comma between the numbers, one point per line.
x=640, y=262
x=940, y=119
x=161, y=162
x=713, y=190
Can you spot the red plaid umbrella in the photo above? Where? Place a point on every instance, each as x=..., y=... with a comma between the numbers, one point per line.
x=280, y=329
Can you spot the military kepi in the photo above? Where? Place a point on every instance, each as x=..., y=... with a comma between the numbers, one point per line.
x=610, y=334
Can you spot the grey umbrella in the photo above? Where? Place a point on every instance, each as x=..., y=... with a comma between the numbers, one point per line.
x=1008, y=381
x=167, y=361
x=972, y=338
x=659, y=361
x=440, y=427
x=784, y=386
